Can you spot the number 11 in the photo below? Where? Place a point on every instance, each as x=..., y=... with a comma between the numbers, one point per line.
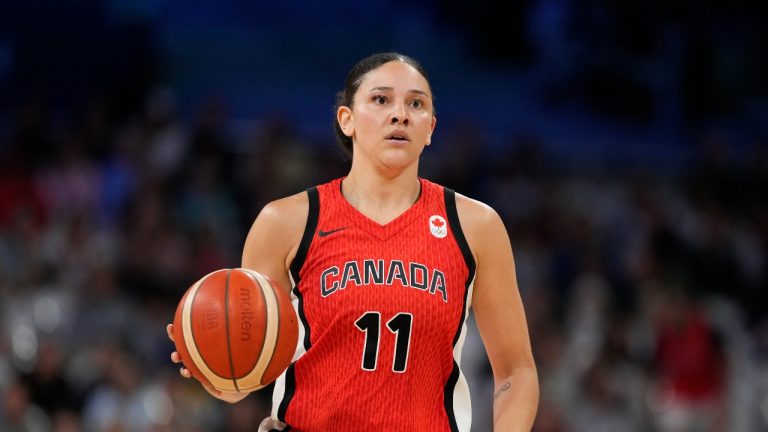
x=400, y=325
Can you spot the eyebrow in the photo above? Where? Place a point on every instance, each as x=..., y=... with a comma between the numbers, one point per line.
x=421, y=92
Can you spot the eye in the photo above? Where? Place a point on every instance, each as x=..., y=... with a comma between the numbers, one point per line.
x=417, y=103
x=379, y=99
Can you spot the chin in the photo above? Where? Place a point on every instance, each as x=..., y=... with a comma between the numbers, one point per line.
x=397, y=162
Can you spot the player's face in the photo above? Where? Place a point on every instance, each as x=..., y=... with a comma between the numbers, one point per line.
x=391, y=119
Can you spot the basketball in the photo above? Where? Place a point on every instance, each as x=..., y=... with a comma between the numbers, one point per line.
x=235, y=330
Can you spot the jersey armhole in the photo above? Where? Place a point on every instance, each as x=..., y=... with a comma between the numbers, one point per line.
x=458, y=233
x=450, y=390
x=309, y=234
x=289, y=377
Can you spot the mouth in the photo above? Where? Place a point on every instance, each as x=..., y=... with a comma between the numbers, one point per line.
x=398, y=136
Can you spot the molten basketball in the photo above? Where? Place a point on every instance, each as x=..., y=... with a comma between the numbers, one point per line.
x=235, y=330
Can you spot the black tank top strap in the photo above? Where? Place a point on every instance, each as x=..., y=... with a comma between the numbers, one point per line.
x=458, y=233
x=309, y=233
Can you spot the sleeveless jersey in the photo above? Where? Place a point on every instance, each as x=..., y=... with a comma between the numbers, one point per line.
x=382, y=311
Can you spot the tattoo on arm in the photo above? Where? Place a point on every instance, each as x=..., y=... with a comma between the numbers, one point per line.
x=504, y=387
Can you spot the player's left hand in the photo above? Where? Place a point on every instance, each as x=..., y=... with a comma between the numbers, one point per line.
x=226, y=396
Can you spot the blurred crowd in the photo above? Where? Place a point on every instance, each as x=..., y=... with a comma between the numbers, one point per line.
x=643, y=284
x=643, y=290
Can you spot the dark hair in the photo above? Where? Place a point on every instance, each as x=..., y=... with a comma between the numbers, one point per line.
x=352, y=84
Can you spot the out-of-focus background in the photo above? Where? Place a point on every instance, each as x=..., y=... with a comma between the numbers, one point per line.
x=625, y=145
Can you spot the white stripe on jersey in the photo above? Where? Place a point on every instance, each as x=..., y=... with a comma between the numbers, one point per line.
x=462, y=405
x=279, y=391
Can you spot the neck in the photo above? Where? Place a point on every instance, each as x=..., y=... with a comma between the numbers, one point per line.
x=381, y=198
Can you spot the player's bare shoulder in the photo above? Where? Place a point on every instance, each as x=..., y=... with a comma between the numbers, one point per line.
x=278, y=229
x=475, y=215
x=287, y=213
x=481, y=224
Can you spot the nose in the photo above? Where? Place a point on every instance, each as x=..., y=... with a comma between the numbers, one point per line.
x=399, y=115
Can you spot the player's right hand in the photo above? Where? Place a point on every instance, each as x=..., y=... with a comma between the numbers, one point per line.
x=226, y=396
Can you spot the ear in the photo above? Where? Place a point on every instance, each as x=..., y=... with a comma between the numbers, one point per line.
x=431, y=129
x=346, y=120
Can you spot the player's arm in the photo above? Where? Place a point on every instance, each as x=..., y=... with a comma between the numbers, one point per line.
x=500, y=317
x=269, y=249
x=275, y=236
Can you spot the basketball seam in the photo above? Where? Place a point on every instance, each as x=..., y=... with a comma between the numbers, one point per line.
x=194, y=339
x=271, y=328
x=277, y=333
x=226, y=323
x=264, y=339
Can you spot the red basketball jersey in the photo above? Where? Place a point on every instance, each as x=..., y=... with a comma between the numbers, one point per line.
x=382, y=313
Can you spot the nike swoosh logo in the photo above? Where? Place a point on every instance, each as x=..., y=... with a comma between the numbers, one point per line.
x=322, y=233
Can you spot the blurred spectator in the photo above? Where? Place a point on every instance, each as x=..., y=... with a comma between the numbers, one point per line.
x=48, y=386
x=689, y=368
x=123, y=400
x=623, y=145
x=18, y=412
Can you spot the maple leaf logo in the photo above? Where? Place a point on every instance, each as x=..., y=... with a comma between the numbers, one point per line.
x=437, y=226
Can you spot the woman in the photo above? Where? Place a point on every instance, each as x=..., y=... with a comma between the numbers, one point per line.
x=383, y=267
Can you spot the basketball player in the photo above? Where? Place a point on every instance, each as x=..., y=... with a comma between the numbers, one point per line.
x=383, y=267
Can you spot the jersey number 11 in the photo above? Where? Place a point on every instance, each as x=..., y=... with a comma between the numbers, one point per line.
x=400, y=325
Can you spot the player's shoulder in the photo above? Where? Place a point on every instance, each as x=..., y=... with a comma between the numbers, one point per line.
x=482, y=226
x=287, y=207
x=278, y=227
x=474, y=213
x=288, y=213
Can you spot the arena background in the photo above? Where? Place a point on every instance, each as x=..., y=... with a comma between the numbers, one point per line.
x=625, y=144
